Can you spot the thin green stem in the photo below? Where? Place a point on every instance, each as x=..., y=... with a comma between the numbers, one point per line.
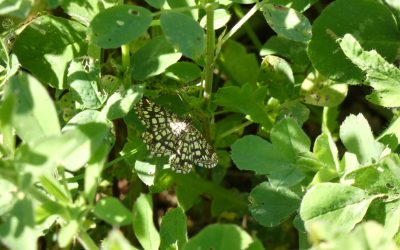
x=213, y=190
x=239, y=24
x=210, y=47
x=234, y=129
x=250, y=32
x=86, y=241
x=325, y=119
x=126, y=57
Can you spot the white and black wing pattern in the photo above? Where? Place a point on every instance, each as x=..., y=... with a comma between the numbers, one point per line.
x=167, y=134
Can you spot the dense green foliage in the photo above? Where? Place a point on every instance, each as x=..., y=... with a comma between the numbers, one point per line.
x=288, y=93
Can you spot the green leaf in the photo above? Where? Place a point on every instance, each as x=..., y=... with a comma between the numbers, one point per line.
x=380, y=178
x=156, y=3
x=115, y=240
x=16, y=8
x=119, y=25
x=35, y=115
x=7, y=113
x=113, y=212
x=7, y=197
x=381, y=75
x=278, y=76
x=71, y=150
x=185, y=4
x=240, y=66
x=146, y=172
x=299, y=5
x=220, y=236
x=47, y=45
x=67, y=233
x=93, y=171
x=184, y=33
x=221, y=18
x=320, y=91
x=357, y=136
x=173, y=229
x=247, y=100
x=187, y=195
x=183, y=71
x=83, y=13
x=254, y=153
x=17, y=231
x=277, y=159
x=369, y=20
x=337, y=205
x=325, y=150
x=295, y=52
x=153, y=58
x=367, y=235
x=287, y=22
x=121, y=101
x=143, y=226
x=294, y=109
x=82, y=80
x=270, y=205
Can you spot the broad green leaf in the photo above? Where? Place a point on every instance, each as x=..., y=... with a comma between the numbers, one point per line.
x=35, y=115
x=121, y=102
x=83, y=13
x=173, y=229
x=299, y=5
x=220, y=236
x=187, y=195
x=381, y=75
x=183, y=71
x=391, y=135
x=247, y=100
x=119, y=25
x=338, y=205
x=320, y=91
x=67, y=233
x=380, y=178
x=83, y=117
x=326, y=151
x=93, y=171
x=289, y=138
x=146, y=172
x=357, y=136
x=287, y=22
x=254, y=153
x=71, y=150
x=113, y=212
x=153, y=58
x=156, y=3
x=143, y=225
x=17, y=231
x=82, y=80
x=277, y=75
x=369, y=20
x=185, y=4
x=7, y=197
x=367, y=235
x=221, y=18
x=184, y=33
x=294, y=109
x=241, y=67
x=7, y=113
x=270, y=205
x=293, y=51
x=115, y=240
x=16, y=8
x=47, y=45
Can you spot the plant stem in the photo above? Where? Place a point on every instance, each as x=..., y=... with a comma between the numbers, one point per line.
x=239, y=24
x=210, y=47
x=86, y=241
x=250, y=32
x=126, y=60
x=234, y=129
